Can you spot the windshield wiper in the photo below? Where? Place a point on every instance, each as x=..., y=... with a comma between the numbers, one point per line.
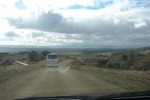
x=104, y=96
x=123, y=96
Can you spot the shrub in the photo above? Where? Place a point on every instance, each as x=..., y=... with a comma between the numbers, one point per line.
x=6, y=62
x=33, y=56
x=129, y=60
x=101, y=62
x=45, y=53
x=124, y=57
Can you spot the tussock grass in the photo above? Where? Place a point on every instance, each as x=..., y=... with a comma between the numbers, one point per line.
x=128, y=79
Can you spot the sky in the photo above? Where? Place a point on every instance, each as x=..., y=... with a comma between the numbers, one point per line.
x=75, y=23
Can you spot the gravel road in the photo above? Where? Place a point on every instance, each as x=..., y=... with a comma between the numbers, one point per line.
x=52, y=82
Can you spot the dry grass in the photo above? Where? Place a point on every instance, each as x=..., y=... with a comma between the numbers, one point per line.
x=131, y=80
x=17, y=68
x=144, y=51
x=12, y=69
x=14, y=57
x=127, y=79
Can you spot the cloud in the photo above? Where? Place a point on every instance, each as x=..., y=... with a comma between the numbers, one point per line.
x=103, y=24
x=46, y=21
x=11, y=34
x=141, y=39
x=76, y=22
x=140, y=25
x=58, y=3
x=38, y=34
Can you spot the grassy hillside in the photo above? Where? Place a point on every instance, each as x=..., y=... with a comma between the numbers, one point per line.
x=130, y=60
x=10, y=58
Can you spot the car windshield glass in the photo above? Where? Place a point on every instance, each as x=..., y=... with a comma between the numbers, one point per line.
x=73, y=47
x=52, y=56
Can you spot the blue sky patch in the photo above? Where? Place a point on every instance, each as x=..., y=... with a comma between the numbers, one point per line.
x=100, y=5
x=20, y=5
x=143, y=3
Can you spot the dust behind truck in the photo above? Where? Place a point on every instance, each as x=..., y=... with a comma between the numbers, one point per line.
x=52, y=60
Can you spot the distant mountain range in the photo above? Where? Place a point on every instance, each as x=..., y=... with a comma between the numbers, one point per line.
x=144, y=48
x=15, y=49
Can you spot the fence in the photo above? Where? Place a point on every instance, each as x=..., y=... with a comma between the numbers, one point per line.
x=10, y=67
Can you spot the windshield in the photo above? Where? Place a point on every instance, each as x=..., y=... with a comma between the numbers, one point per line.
x=52, y=56
x=73, y=47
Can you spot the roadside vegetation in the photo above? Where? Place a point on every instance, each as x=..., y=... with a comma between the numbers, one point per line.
x=129, y=70
x=7, y=59
x=130, y=60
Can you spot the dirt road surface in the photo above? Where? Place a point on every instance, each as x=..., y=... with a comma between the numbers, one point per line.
x=53, y=81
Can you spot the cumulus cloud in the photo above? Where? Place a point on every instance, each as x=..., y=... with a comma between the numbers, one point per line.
x=11, y=34
x=38, y=34
x=140, y=25
x=104, y=24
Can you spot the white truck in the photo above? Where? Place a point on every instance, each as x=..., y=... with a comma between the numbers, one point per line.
x=52, y=60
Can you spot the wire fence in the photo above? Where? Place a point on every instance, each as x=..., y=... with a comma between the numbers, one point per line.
x=10, y=67
x=30, y=65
